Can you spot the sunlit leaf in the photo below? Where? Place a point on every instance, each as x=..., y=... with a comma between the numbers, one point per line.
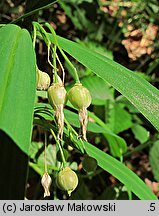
x=121, y=172
x=140, y=93
x=17, y=84
x=140, y=133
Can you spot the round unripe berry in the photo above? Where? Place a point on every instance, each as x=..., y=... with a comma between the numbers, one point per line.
x=67, y=180
x=79, y=96
x=57, y=95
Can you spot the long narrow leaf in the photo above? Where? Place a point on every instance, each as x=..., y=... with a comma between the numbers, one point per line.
x=121, y=172
x=140, y=93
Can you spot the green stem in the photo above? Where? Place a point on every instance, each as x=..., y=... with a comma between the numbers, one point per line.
x=62, y=52
x=121, y=159
x=53, y=33
x=71, y=65
x=34, y=36
x=54, y=63
x=43, y=33
x=59, y=145
x=45, y=163
x=33, y=12
x=129, y=194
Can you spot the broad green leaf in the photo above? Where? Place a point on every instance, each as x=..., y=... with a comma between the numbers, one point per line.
x=17, y=84
x=17, y=94
x=99, y=89
x=140, y=133
x=121, y=172
x=154, y=159
x=119, y=119
x=123, y=100
x=140, y=93
x=144, y=76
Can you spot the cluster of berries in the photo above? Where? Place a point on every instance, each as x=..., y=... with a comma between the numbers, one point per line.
x=80, y=98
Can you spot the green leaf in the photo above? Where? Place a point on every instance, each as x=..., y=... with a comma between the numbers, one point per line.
x=141, y=134
x=123, y=100
x=140, y=93
x=119, y=119
x=121, y=172
x=17, y=84
x=154, y=159
x=17, y=94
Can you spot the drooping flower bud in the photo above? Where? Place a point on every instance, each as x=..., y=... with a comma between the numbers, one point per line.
x=80, y=98
x=42, y=80
x=46, y=182
x=67, y=180
x=57, y=97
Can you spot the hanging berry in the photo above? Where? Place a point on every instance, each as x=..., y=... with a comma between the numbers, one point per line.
x=67, y=180
x=80, y=98
x=57, y=97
